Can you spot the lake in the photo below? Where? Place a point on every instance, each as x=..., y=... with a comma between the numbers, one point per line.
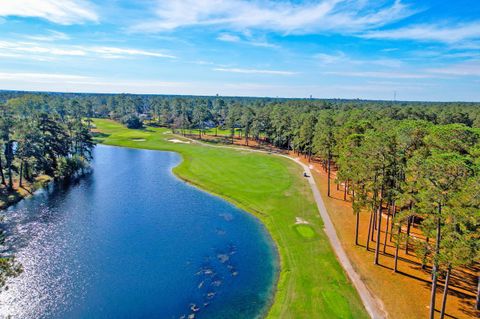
x=131, y=240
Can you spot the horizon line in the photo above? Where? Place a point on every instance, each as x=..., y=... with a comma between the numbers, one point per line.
x=243, y=96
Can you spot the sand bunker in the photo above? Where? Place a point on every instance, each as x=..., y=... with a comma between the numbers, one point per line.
x=174, y=140
x=300, y=221
x=138, y=139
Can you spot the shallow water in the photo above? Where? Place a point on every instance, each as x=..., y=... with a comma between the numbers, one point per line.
x=130, y=240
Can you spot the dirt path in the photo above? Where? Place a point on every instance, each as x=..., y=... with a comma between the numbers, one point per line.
x=373, y=305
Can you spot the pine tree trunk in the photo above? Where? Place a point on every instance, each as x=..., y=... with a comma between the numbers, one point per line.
x=395, y=268
x=394, y=214
x=409, y=223
x=357, y=223
x=424, y=259
x=21, y=174
x=477, y=303
x=386, y=229
x=379, y=228
x=328, y=175
x=10, y=177
x=1, y=172
x=445, y=292
x=369, y=230
x=435, y=271
x=26, y=173
x=345, y=191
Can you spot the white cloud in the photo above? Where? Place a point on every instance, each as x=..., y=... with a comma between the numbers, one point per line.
x=327, y=58
x=255, y=71
x=228, y=37
x=280, y=16
x=43, y=77
x=446, y=33
x=471, y=68
x=36, y=50
x=384, y=75
x=108, y=51
x=342, y=59
x=57, y=11
x=52, y=35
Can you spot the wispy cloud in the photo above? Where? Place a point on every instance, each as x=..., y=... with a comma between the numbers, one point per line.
x=125, y=51
x=446, y=33
x=34, y=50
x=329, y=58
x=341, y=58
x=383, y=75
x=52, y=35
x=471, y=68
x=228, y=37
x=39, y=49
x=255, y=71
x=57, y=11
x=280, y=16
x=28, y=76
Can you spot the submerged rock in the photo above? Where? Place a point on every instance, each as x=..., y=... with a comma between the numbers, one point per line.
x=194, y=308
x=211, y=294
x=223, y=258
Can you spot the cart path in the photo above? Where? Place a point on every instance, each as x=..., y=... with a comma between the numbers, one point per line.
x=373, y=305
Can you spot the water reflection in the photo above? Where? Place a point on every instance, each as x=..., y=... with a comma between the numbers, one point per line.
x=131, y=240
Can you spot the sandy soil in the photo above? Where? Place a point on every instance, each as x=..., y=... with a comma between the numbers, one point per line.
x=405, y=294
x=177, y=141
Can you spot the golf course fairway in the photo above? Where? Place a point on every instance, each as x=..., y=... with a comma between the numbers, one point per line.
x=311, y=282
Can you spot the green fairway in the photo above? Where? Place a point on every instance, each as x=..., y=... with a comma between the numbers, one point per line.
x=311, y=283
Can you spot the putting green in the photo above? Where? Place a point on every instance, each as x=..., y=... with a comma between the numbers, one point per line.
x=306, y=231
x=311, y=282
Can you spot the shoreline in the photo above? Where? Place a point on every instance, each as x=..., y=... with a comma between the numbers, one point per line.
x=28, y=192
x=372, y=304
x=276, y=199
x=256, y=215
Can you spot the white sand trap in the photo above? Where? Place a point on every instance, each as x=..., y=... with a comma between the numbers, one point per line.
x=300, y=221
x=174, y=140
x=138, y=139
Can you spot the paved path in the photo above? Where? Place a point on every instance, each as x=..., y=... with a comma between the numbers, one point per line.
x=373, y=305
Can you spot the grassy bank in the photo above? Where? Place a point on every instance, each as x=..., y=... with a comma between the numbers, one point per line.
x=311, y=283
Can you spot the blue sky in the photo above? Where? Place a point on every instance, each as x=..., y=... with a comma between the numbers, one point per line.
x=423, y=50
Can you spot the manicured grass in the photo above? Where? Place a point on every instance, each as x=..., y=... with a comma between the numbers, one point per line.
x=306, y=231
x=311, y=283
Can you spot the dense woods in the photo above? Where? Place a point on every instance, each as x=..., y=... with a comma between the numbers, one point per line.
x=39, y=141
x=399, y=162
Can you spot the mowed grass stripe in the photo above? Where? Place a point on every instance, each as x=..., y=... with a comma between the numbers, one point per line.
x=311, y=282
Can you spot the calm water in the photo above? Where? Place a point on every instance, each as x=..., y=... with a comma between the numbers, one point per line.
x=130, y=240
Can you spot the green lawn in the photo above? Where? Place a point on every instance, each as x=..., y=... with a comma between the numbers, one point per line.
x=220, y=132
x=311, y=284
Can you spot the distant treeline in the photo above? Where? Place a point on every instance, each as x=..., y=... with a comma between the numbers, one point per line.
x=411, y=161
